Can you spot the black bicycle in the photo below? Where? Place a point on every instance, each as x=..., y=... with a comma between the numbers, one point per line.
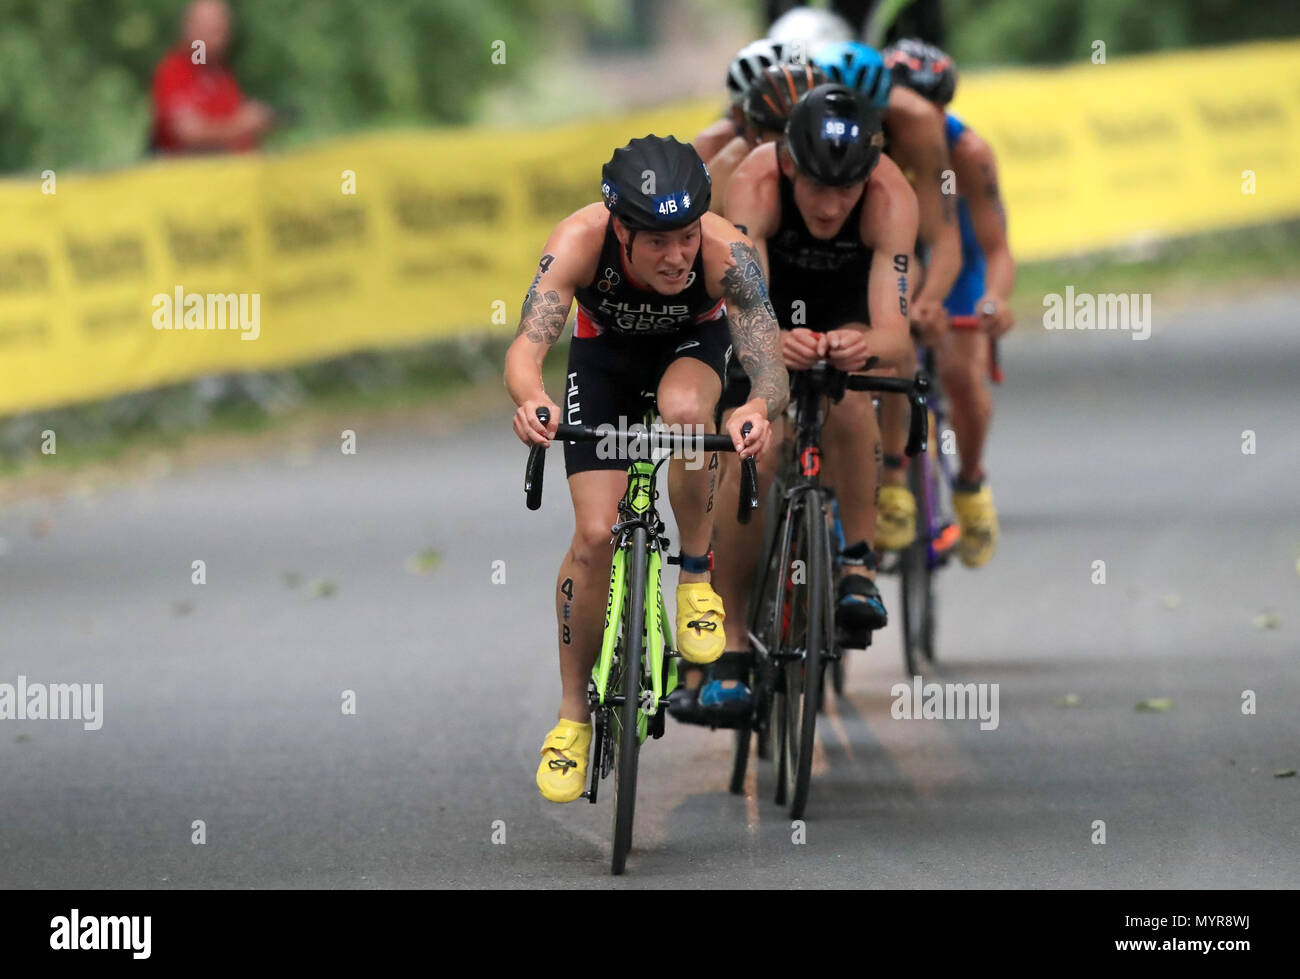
x=637, y=667
x=792, y=616
x=930, y=479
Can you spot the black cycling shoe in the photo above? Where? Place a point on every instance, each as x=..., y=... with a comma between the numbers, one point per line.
x=684, y=705
x=859, y=610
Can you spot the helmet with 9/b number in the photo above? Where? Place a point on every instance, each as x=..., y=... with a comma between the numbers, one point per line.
x=656, y=183
x=834, y=135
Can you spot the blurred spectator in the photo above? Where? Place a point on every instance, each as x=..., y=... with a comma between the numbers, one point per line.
x=197, y=104
x=912, y=18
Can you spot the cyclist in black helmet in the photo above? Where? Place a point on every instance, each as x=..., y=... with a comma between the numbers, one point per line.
x=666, y=291
x=834, y=223
x=750, y=62
x=767, y=106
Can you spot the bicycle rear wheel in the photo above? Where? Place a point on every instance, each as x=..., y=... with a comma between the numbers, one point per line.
x=804, y=673
x=625, y=726
x=740, y=759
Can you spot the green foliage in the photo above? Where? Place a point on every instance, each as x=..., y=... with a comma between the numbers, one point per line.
x=985, y=32
x=75, y=74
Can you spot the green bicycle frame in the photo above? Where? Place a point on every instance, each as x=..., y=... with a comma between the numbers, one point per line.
x=638, y=500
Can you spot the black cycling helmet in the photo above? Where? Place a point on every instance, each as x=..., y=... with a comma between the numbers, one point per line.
x=774, y=93
x=677, y=179
x=923, y=68
x=834, y=135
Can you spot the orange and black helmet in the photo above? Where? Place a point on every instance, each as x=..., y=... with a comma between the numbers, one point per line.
x=773, y=95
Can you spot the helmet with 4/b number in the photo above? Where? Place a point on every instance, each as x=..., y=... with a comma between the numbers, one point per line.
x=750, y=62
x=810, y=29
x=860, y=67
x=924, y=68
x=773, y=96
x=656, y=183
x=834, y=135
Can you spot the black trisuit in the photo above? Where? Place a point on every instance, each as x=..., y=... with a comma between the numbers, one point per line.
x=623, y=341
x=828, y=276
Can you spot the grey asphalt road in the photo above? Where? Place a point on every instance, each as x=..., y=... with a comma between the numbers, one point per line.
x=223, y=701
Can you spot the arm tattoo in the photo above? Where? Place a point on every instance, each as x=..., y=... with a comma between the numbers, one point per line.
x=900, y=266
x=754, y=330
x=542, y=268
x=991, y=193
x=543, y=316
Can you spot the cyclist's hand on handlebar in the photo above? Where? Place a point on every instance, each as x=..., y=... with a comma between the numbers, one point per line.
x=802, y=348
x=932, y=319
x=995, y=315
x=531, y=431
x=754, y=412
x=846, y=349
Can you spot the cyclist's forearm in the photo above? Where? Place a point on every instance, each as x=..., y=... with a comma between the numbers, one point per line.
x=945, y=264
x=754, y=330
x=1000, y=273
x=541, y=321
x=524, y=372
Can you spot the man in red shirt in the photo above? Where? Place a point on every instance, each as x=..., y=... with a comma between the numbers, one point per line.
x=197, y=104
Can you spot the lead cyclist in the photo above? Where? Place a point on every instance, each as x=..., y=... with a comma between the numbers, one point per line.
x=666, y=291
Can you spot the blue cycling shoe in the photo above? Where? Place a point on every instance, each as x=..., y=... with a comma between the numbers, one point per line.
x=725, y=693
x=723, y=698
x=718, y=699
x=859, y=611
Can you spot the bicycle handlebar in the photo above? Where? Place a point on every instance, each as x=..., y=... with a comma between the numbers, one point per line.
x=826, y=378
x=536, y=467
x=972, y=322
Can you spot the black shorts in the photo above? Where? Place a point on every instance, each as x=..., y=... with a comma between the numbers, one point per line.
x=612, y=377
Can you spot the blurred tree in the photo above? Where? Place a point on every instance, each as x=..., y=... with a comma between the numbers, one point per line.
x=75, y=74
x=1045, y=31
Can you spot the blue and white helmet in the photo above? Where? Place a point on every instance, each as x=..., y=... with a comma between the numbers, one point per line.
x=858, y=66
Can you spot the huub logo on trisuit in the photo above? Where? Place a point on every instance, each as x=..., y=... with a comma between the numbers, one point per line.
x=613, y=304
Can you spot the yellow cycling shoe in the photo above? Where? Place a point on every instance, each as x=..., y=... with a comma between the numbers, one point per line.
x=562, y=775
x=979, y=526
x=700, y=636
x=895, y=518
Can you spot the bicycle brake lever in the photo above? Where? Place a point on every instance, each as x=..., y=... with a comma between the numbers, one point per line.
x=919, y=423
x=748, y=482
x=536, y=467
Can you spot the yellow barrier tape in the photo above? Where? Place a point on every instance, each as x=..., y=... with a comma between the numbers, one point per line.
x=442, y=229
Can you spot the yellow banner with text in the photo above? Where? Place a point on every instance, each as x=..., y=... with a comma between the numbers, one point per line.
x=122, y=281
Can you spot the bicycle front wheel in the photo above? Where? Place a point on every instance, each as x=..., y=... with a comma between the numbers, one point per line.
x=916, y=577
x=626, y=725
x=803, y=672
